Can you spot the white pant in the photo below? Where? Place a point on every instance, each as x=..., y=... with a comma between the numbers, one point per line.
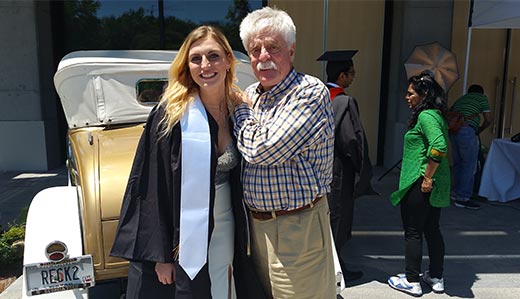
x=221, y=245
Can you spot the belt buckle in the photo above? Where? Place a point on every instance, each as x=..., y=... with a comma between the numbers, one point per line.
x=263, y=215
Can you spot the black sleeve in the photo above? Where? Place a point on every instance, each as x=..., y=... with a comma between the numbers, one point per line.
x=145, y=229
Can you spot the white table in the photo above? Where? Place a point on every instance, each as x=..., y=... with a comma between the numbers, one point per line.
x=501, y=173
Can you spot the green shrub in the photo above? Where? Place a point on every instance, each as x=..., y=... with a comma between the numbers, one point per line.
x=15, y=233
x=7, y=252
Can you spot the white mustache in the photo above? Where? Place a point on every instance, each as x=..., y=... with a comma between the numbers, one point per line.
x=267, y=65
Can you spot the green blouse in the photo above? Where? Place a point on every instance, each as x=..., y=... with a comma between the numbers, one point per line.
x=427, y=139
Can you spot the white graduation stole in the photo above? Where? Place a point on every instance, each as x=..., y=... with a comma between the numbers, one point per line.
x=195, y=188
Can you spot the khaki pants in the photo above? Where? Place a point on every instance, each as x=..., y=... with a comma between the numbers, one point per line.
x=293, y=254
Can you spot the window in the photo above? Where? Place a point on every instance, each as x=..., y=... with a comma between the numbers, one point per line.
x=147, y=24
x=149, y=91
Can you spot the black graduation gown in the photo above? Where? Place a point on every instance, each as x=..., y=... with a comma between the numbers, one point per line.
x=148, y=229
x=350, y=160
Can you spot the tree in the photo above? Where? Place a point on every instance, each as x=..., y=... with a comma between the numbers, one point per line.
x=82, y=25
x=134, y=29
x=236, y=13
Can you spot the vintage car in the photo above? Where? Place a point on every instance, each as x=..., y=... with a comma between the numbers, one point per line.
x=106, y=97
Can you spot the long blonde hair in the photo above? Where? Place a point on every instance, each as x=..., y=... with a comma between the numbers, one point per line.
x=181, y=86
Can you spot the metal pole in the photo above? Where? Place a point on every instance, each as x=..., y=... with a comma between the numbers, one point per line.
x=466, y=64
x=468, y=47
x=501, y=122
x=325, y=28
x=161, y=24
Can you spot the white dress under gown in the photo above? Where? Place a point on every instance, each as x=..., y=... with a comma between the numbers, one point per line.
x=221, y=245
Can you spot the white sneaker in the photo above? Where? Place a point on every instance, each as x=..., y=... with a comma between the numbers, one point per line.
x=437, y=284
x=400, y=283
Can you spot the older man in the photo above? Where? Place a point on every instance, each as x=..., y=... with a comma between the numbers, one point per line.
x=285, y=132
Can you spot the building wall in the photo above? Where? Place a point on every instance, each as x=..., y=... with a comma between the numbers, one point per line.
x=343, y=25
x=359, y=25
x=486, y=67
x=414, y=23
x=28, y=116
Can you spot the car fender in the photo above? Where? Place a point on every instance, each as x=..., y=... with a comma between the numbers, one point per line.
x=53, y=215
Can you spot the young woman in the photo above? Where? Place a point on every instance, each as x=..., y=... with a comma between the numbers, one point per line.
x=424, y=184
x=182, y=208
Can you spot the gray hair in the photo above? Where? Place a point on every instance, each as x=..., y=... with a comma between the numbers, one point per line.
x=268, y=19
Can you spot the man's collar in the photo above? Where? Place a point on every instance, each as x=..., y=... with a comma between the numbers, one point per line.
x=331, y=84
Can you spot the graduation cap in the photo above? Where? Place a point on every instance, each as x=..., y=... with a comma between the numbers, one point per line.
x=337, y=61
x=337, y=56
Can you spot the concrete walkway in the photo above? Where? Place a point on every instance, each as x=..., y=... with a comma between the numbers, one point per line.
x=17, y=189
x=482, y=247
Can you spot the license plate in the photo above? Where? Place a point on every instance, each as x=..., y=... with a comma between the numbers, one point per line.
x=72, y=273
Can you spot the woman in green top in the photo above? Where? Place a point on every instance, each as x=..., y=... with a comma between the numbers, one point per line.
x=424, y=184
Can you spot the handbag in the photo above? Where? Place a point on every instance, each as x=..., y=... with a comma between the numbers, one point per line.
x=456, y=120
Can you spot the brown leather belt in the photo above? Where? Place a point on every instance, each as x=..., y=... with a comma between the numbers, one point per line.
x=273, y=214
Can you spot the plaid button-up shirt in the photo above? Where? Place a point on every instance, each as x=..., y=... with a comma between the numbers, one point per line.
x=287, y=141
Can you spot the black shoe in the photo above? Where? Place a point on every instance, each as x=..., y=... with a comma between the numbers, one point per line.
x=467, y=204
x=352, y=275
x=478, y=198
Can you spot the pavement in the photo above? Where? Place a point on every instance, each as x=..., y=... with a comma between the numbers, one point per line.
x=482, y=246
x=17, y=189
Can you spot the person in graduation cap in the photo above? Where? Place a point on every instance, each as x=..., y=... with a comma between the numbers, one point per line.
x=182, y=224
x=350, y=153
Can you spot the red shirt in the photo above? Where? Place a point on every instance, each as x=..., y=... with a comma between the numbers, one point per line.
x=334, y=91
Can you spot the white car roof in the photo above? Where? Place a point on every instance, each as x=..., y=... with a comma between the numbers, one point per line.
x=99, y=87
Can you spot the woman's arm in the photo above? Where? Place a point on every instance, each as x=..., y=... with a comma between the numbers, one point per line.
x=427, y=184
x=432, y=127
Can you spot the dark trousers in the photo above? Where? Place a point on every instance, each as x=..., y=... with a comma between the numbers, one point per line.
x=419, y=218
x=341, y=205
x=143, y=283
